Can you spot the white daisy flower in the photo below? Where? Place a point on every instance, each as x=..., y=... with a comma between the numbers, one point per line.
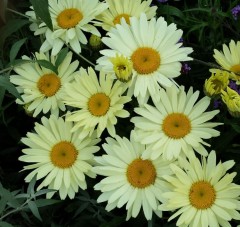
x=99, y=102
x=203, y=193
x=176, y=124
x=229, y=59
x=70, y=19
x=130, y=179
x=125, y=9
x=59, y=156
x=154, y=50
x=41, y=88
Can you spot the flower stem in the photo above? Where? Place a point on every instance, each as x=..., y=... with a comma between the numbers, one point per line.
x=214, y=66
x=18, y=13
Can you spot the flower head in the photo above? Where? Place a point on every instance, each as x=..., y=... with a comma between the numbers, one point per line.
x=203, y=193
x=129, y=178
x=41, y=88
x=235, y=12
x=153, y=48
x=125, y=9
x=70, y=20
x=59, y=156
x=176, y=125
x=216, y=83
x=232, y=100
x=229, y=59
x=98, y=102
x=122, y=67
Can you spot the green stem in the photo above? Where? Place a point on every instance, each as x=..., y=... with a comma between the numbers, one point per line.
x=214, y=66
x=150, y=223
x=16, y=210
x=18, y=13
x=5, y=70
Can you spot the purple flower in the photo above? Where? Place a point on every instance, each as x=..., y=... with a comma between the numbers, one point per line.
x=235, y=11
x=234, y=86
x=217, y=104
x=185, y=68
x=162, y=1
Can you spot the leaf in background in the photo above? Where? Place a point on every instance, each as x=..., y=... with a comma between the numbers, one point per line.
x=44, y=191
x=5, y=82
x=2, y=93
x=46, y=202
x=41, y=9
x=172, y=11
x=3, y=6
x=48, y=65
x=18, y=62
x=11, y=27
x=30, y=189
x=61, y=56
x=33, y=207
x=15, y=48
x=5, y=224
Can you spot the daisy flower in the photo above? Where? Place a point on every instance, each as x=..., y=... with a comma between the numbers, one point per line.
x=203, y=193
x=154, y=50
x=125, y=9
x=176, y=124
x=217, y=82
x=41, y=88
x=229, y=58
x=70, y=19
x=98, y=102
x=129, y=178
x=59, y=156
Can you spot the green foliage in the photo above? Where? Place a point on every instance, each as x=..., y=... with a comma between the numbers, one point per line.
x=12, y=202
x=41, y=10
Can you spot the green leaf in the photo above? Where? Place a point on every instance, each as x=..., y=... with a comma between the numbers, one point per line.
x=15, y=48
x=46, y=202
x=61, y=56
x=17, y=62
x=44, y=191
x=2, y=93
x=3, y=203
x=5, y=82
x=30, y=189
x=41, y=9
x=33, y=207
x=5, y=224
x=172, y=11
x=11, y=27
x=48, y=65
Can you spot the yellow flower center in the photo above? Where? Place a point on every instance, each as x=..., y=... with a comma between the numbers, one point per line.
x=99, y=104
x=117, y=19
x=235, y=68
x=49, y=84
x=63, y=154
x=145, y=60
x=141, y=173
x=176, y=125
x=202, y=195
x=69, y=18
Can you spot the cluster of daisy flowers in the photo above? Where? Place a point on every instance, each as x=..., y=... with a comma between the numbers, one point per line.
x=223, y=84
x=156, y=168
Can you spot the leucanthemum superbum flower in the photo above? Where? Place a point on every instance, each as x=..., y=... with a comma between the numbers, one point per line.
x=41, y=88
x=176, y=125
x=98, y=101
x=70, y=20
x=232, y=100
x=58, y=156
x=229, y=59
x=125, y=9
x=129, y=179
x=217, y=82
x=203, y=193
x=154, y=50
